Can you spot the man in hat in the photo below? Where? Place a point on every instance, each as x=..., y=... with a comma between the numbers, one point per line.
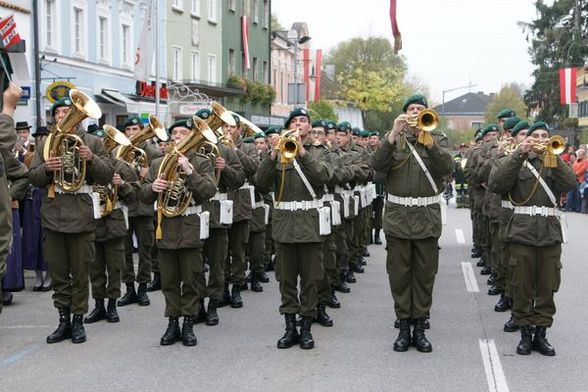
x=476, y=195
x=415, y=168
x=25, y=144
x=461, y=185
x=69, y=226
x=378, y=203
x=504, y=115
x=534, y=233
x=331, y=131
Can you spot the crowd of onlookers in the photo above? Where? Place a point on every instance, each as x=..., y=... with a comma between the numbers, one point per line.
x=577, y=199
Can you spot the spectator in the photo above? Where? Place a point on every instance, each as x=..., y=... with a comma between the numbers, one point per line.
x=579, y=166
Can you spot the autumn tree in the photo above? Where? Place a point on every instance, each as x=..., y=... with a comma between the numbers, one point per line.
x=322, y=109
x=509, y=97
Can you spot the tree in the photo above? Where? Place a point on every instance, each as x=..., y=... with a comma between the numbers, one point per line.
x=276, y=25
x=322, y=110
x=507, y=98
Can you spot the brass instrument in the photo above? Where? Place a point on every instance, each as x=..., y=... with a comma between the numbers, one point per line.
x=212, y=152
x=288, y=148
x=109, y=193
x=136, y=156
x=249, y=129
x=220, y=116
x=65, y=144
x=426, y=120
x=555, y=145
x=176, y=198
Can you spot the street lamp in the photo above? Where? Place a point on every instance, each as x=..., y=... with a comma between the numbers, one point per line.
x=293, y=37
x=450, y=90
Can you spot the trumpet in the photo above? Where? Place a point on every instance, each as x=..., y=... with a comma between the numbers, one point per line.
x=551, y=147
x=426, y=120
x=288, y=146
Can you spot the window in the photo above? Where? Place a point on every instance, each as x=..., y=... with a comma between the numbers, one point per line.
x=212, y=10
x=195, y=10
x=177, y=63
x=103, y=38
x=232, y=5
x=126, y=46
x=211, y=68
x=177, y=5
x=254, y=67
x=195, y=67
x=266, y=14
x=231, y=61
x=254, y=11
x=265, y=72
x=50, y=14
x=78, y=35
x=195, y=32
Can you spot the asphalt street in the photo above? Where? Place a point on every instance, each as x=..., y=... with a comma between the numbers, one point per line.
x=470, y=350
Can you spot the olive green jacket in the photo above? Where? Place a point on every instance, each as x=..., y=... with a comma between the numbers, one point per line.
x=300, y=226
x=182, y=232
x=18, y=176
x=475, y=188
x=139, y=208
x=247, y=153
x=7, y=141
x=509, y=177
x=68, y=212
x=492, y=201
x=406, y=178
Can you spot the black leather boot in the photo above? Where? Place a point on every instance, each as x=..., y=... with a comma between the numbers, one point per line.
x=342, y=286
x=291, y=336
x=365, y=253
x=236, y=301
x=255, y=285
x=541, y=344
x=78, y=333
x=63, y=331
x=371, y=238
x=350, y=276
x=361, y=261
x=211, y=314
x=201, y=313
x=494, y=290
x=403, y=340
x=481, y=263
x=333, y=301
x=510, y=325
x=419, y=340
x=172, y=333
x=322, y=317
x=502, y=305
x=377, y=239
x=476, y=253
x=358, y=268
x=226, y=297
x=491, y=280
x=155, y=284
x=99, y=312
x=264, y=277
x=111, y=312
x=524, y=347
x=306, y=340
x=142, y=297
x=486, y=270
x=130, y=296
x=188, y=337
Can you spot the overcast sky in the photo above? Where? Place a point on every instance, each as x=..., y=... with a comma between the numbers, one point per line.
x=446, y=43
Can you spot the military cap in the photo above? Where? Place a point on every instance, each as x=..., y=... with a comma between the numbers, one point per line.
x=417, y=98
x=375, y=133
x=133, y=120
x=506, y=113
x=61, y=102
x=249, y=139
x=237, y=119
x=331, y=125
x=99, y=132
x=365, y=134
x=295, y=113
x=344, y=126
x=92, y=128
x=355, y=131
x=186, y=123
x=203, y=114
x=510, y=123
x=319, y=124
x=259, y=136
x=272, y=130
x=41, y=131
x=478, y=135
x=489, y=128
x=538, y=125
x=521, y=125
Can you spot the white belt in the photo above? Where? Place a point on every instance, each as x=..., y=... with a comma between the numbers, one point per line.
x=220, y=196
x=192, y=210
x=246, y=185
x=507, y=204
x=328, y=197
x=536, y=210
x=84, y=189
x=298, y=205
x=119, y=205
x=415, y=201
x=259, y=204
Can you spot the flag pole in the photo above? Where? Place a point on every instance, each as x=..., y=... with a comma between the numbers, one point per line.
x=5, y=68
x=156, y=58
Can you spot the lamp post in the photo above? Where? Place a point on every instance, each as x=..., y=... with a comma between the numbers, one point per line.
x=293, y=37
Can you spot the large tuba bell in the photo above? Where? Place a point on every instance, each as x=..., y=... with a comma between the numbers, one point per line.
x=249, y=129
x=109, y=193
x=64, y=143
x=220, y=116
x=176, y=198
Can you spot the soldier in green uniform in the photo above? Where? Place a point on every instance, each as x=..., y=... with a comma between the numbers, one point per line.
x=378, y=203
x=69, y=227
x=297, y=227
x=535, y=233
x=273, y=135
x=415, y=174
x=475, y=191
x=11, y=97
x=180, y=249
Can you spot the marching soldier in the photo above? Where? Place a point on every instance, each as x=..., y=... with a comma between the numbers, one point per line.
x=415, y=173
x=180, y=248
x=378, y=203
x=273, y=136
x=69, y=224
x=461, y=185
x=534, y=233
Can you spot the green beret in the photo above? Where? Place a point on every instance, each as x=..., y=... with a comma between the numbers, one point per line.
x=203, y=114
x=319, y=124
x=295, y=113
x=99, y=133
x=365, y=134
x=538, y=125
x=417, y=98
x=375, y=134
x=331, y=125
x=345, y=126
x=510, y=123
x=478, y=135
x=506, y=113
x=248, y=139
x=521, y=125
x=259, y=136
x=186, y=123
x=489, y=128
x=355, y=131
x=65, y=101
x=237, y=119
x=272, y=130
x=134, y=120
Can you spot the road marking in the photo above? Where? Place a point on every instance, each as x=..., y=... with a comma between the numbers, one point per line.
x=460, y=237
x=18, y=356
x=469, y=277
x=494, y=373
x=24, y=326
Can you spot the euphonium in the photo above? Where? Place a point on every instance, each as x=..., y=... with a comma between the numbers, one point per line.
x=136, y=156
x=109, y=193
x=64, y=143
x=220, y=116
x=176, y=198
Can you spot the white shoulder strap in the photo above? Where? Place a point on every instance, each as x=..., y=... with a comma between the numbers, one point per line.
x=542, y=182
x=422, y=165
x=304, y=179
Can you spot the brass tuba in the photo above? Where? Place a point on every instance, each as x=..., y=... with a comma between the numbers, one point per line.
x=109, y=193
x=220, y=116
x=176, y=198
x=64, y=143
x=249, y=129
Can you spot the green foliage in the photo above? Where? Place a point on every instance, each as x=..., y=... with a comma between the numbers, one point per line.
x=253, y=91
x=322, y=110
x=507, y=98
x=458, y=136
x=275, y=23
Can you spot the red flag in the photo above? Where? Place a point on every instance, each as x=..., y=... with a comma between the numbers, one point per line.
x=244, y=36
x=317, y=71
x=8, y=32
x=567, y=86
x=395, y=29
